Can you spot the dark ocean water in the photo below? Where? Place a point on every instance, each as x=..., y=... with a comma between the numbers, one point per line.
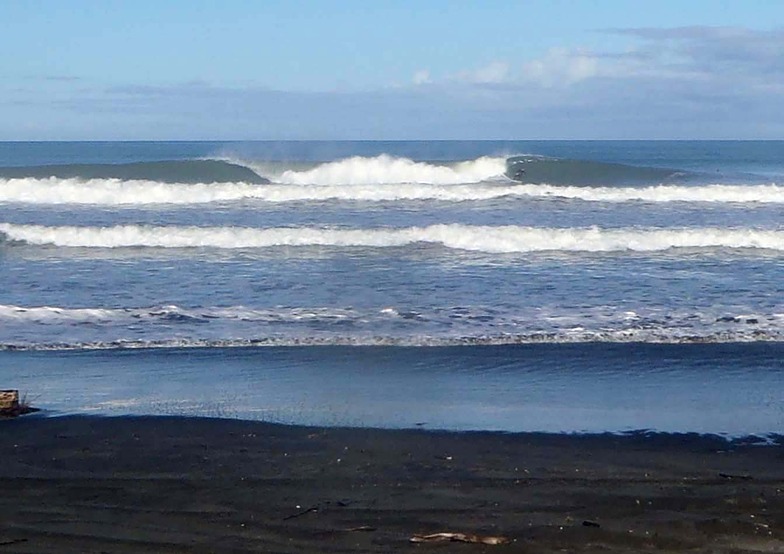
x=293, y=264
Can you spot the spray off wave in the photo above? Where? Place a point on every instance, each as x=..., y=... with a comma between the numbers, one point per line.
x=113, y=192
x=489, y=239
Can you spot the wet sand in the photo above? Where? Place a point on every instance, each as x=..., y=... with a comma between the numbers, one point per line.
x=144, y=484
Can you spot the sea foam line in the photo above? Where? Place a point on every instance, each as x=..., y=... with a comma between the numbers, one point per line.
x=113, y=192
x=539, y=318
x=491, y=239
x=615, y=337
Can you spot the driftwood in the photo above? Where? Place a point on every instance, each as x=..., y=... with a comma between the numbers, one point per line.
x=589, y=523
x=459, y=537
x=732, y=477
x=9, y=399
x=11, y=541
x=302, y=513
x=10, y=406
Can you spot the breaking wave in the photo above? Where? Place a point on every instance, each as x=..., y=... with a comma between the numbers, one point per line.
x=113, y=192
x=387, y=169
x=490, y=239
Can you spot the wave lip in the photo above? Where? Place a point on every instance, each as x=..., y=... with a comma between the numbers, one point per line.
x=488, y=239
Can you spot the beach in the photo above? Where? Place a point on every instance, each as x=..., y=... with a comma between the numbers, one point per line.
x=392, y=277
x=392, y=346
x=171, y=484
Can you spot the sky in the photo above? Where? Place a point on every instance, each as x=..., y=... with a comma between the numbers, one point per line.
x=391, y=70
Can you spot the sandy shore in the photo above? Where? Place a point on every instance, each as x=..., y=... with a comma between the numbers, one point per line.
x=81, y=484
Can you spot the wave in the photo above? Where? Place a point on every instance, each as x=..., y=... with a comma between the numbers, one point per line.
x=170, y=171
x=489, y=239
x=553, y=171
x=385, y=169
x=140, y=193
x=357, y=170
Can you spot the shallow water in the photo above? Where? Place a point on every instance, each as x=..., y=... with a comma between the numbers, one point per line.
x=732, y=389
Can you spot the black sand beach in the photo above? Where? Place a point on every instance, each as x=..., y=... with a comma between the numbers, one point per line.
x=148, y=484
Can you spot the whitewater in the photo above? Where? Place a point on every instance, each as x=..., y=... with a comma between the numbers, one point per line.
x=500, y=239
x=140, y=193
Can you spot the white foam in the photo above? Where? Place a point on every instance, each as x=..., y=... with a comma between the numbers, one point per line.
x=388, y=169
x=53, y=315
x=766, y=194
x=499, y=239
x=49, y=314
x=113, y=192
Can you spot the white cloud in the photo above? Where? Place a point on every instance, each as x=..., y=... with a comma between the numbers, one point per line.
x=494, y=72
x=561, y=67
x=421, y=77
x=731, y=54
x=695, y=82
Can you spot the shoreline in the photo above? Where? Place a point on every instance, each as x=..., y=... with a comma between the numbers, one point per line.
x=755, y=439
x=184, y=484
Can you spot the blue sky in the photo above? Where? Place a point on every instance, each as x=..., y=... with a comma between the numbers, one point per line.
x=493, y=69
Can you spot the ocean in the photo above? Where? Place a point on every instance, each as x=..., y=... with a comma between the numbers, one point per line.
x=561, y=286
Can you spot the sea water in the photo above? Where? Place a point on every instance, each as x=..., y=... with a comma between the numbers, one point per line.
x=631, y=285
